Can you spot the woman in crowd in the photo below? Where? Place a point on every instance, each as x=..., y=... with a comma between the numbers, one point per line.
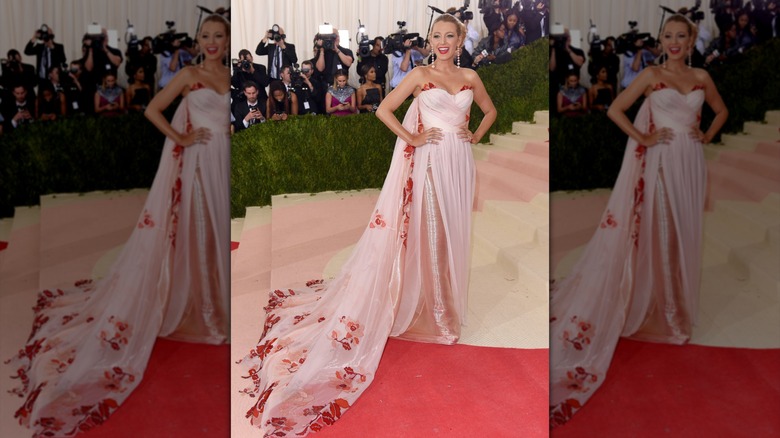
x=110, y=97
x=492, y=49
x=280, y=104
x=139, y=93
x=369, y=95
x=601, y=93
x=340, y=98
x=572, y=99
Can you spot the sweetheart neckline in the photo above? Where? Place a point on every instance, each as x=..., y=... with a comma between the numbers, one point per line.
x=210, y=89
x=442, y=89
x=662, y=86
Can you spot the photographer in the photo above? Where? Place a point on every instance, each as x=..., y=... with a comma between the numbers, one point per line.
x=177, y=57
x=329, y=60
x=404, y=63
x=246, y=70
x=306, y=90
x=378, y=60
x=636, y=60
x=767, y=22
x=249, y=110
x=47, y=53
x=100, y=59
x=78, y=92
x=495, y=13
x=16, y=72
x=564, y=58
x=535, y=13
x=142, y=56
x=279, y=52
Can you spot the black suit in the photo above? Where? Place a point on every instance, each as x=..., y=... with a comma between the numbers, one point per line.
x=288, y=57
x=10, y=108
x=259, y=77
x=56, y=57
x=241, y=109
x=26, y=77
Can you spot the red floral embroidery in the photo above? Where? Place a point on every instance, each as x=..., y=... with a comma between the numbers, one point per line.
x=114, y=378
x=62, y=363
x=699, y=87
x=582, y=338
x=659, y=86
x=348, y=380
x=563, y=412
x=377, y=222
x=352, y=335
x=609, y=220
x=466, y=87
x=146, y=220
x=95, y=415
x=294, y=362
x=120, y=335
x=301, y=317
x=259, y=407
x=428, y=86
x=197, y=86
x=281, y=425
x=325, y=415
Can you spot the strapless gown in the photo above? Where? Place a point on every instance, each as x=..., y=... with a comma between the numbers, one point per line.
x=89, y=346
x=639, y=275
x=407, y=277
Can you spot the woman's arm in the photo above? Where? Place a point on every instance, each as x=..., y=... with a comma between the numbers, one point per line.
x=361, y=94
x=328, y=99
x=294, y=103
x=624, y=100
x=352, y=104
x=484, y=103
x=161, y=100
x=715, y=102
x=559, y=99
x=63, y=103
x=394, y=99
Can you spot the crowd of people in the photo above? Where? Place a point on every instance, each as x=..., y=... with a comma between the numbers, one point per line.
x=739, y=27
x=320, y=85
x=54, y=88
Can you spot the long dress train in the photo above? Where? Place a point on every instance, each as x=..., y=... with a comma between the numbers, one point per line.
x=407, y=277
x=89, y=346
x=639, y=275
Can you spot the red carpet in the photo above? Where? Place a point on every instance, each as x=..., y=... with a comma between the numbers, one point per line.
x=427, y=390
x=655, y=390
x=185, y=393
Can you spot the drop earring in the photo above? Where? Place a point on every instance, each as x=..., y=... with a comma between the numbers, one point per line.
x=433, y=60
x=690, y=57
x=457, y=58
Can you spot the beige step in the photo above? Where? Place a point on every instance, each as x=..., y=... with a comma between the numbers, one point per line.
x=773, y=117
x=542, y=118
x=740, y=141
x=531, y=130
x=750, y=219
x=720, y=235
x=763, y=130
x=761, y=262
x=521, y=217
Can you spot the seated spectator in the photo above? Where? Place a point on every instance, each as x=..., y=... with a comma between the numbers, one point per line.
x=493, y=49
x=250, y=110
x=369, y=95
x=340, y=98
x=572, y=97
x=307, y=92
x=515, y=35
x=110, y=97
x=723, y=48
x=138, y=93
x=142, y=57
x=601, y=94
x=280, y=104
x=20, y=111
x=50, y=104
x=247, y=70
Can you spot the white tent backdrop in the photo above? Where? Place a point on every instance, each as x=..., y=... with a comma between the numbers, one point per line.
x=611, y=17
x=69, y=19
x=300, y=20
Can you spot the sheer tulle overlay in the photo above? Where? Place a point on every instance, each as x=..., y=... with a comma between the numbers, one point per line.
x=407, y=277
x=639, y=275
x=90, y=345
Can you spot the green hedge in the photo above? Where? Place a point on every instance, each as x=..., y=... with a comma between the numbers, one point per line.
x=316, y=153
x=586, y=152
x=78, y=154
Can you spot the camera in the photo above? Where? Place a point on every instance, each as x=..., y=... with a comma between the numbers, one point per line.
x=44, y=34
x=163, y=43
x=626, y=43
x=244, y=65
x=296, y=79
x=463, y=14
x=275, y=34
x=364, y=43
x=394, y=43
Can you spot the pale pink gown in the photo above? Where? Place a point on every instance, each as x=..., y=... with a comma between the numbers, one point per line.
x=639, y=275
x=407, y=277
x=90, y=345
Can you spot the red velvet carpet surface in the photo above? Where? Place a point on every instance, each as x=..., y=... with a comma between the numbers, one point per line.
x=427, y=390
x=655, y=390
x=185, y=393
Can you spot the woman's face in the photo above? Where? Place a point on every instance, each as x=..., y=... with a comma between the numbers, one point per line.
x=110, y=81
x=213, y=40
x=341, y=81
x=445, y=39
x=500, y=32
x=676, y=40
x=511, y=21
x=47, y=95
x=279, y=95
x=743, y=21
x=139, y=75
x=572, y=81
x=371, y=74
x=602, y=75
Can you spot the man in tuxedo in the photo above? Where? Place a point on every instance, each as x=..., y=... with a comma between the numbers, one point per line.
x=248, y=71
x=279, y=52
x=249, y=111
x=47, y=53
x=16, y=72
x=19, y=111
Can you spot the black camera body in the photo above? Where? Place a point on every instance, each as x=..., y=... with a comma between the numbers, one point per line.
x=275, y=34
x=244, y=65
x=163, y=43
x=44, y=34
x=364, y=46
x=463, y=13
x=626, y=43
x=394, y=43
